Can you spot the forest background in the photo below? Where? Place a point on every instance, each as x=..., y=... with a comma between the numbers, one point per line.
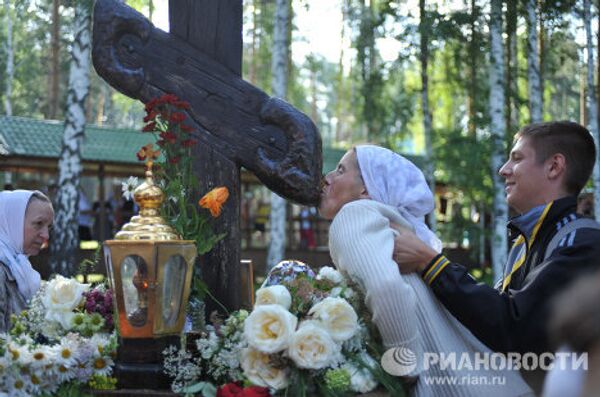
x=451, y=80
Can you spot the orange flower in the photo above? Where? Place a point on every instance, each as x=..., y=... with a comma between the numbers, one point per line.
x=214, y=200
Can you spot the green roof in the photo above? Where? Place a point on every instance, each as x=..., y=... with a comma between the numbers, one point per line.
x=21, y=136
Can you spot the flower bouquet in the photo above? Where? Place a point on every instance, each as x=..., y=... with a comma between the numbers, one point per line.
x=307, y=335
x=65, y=339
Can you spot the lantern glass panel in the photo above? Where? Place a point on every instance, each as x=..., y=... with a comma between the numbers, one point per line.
x=134, y=276
x=173, y=286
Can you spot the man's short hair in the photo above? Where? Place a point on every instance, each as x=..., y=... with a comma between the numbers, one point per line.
x=569, y=139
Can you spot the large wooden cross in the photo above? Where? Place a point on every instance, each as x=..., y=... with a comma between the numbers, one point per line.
x=237, y=124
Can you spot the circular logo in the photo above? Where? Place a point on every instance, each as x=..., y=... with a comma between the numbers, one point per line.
x=399, y=361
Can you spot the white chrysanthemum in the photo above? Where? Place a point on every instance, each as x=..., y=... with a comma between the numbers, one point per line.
x=312, y=346
x=64, y=353
x=337, y=316
x=41, y=356
x=99, y=341
x=64, y=372
x=128, y=187
x=274, y=295
x=18, y=354
x=257, y=369
x=102, y=365
x=269, y=328
x=329, y=273
x=18, y=386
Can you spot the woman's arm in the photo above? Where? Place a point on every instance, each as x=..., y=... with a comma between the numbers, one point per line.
x=361, y=243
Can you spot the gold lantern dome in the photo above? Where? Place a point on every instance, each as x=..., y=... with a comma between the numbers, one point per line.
x=148, y=225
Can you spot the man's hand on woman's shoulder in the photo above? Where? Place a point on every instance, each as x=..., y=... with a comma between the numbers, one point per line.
x=410, y=253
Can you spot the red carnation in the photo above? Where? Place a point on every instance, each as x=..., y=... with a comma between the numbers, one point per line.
x=182, y=105
x=150, y=116
x=235, y=390
x=168, y=136
x=177, y=117
x=169, y=98
x=229, y=390
x=149, y=127
x=150, y=105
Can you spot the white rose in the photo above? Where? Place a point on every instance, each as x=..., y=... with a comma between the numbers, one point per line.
x=269, y=328
x=337, y=316
x=312, y=347
x=274, y=295
x=257, y=369
x=329, y=273
x=61, y=297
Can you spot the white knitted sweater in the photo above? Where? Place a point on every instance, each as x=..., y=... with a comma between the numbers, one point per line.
x=405, y=310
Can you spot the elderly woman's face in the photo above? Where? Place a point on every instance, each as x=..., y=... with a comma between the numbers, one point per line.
x=342, y=185
x=38, y=221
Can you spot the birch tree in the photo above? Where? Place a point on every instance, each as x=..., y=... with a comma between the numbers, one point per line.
x=592, y=101
x=424, y=28
x=497, y=130
x=54, y=72
x=512, y=72
x=533, y=63
x=10, y=71
x=64, y=244
x=279, y=84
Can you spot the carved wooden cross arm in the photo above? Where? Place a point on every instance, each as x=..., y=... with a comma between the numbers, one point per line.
x=264, y=134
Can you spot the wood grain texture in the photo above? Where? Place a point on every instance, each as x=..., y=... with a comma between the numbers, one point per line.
x=213, y=27
x=236, y=123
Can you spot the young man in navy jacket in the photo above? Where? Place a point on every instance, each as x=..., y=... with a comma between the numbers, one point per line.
x=548, y=166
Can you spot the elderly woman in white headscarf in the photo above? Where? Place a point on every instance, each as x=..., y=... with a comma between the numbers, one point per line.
x=371, y=190
x=25, y=219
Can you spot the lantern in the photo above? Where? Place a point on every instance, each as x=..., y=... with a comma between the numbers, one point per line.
x=150, y=271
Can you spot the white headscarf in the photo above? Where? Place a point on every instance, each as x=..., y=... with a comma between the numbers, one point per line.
x=391, y=179
x=13, y=205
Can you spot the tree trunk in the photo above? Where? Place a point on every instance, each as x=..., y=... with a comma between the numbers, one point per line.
x=9, y=59
x=64, y=244
x=583, y=116
x=427, y=128
x=592, y=102
x=279, y=67
x=254, y=44
x=542, y=51
x=473, y=53
x=512, y=75
x=339, y=108
x=533, y=64
x=54, y=80
x=500, y=215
